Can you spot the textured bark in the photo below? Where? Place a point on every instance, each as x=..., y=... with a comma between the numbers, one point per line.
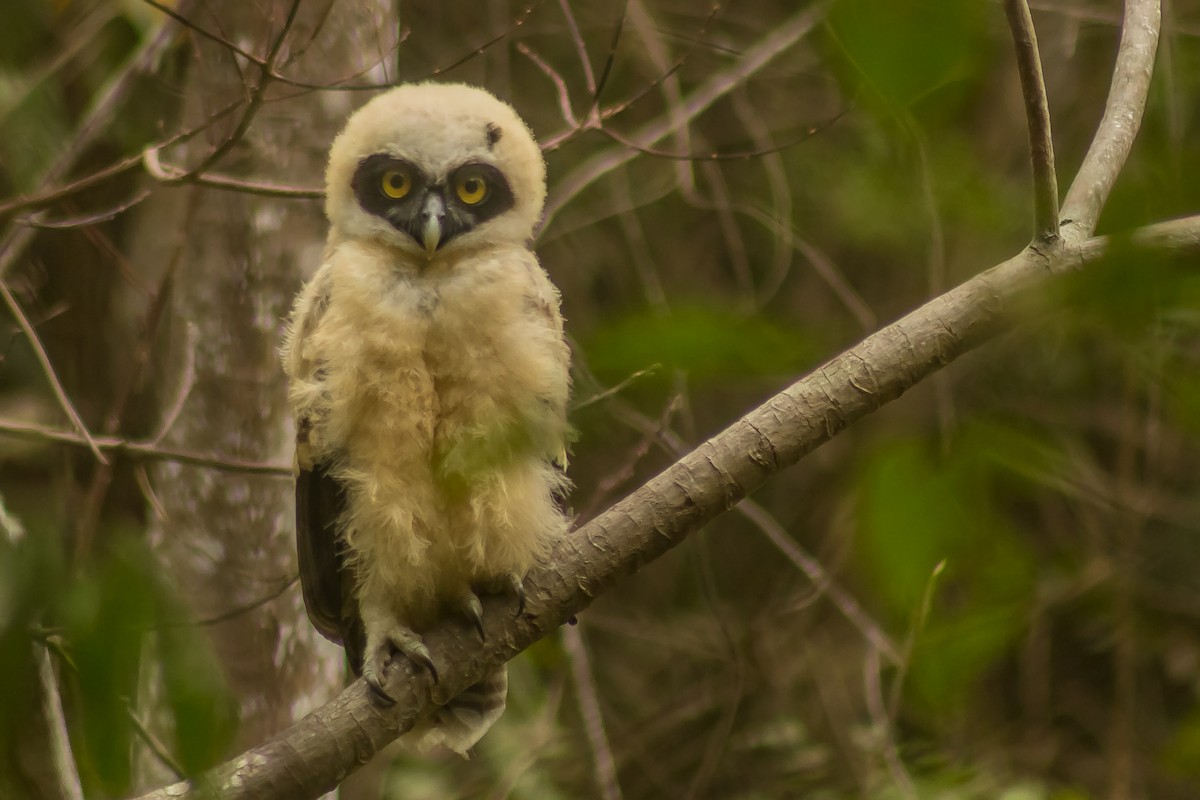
x=227, y=538
x=314, y=755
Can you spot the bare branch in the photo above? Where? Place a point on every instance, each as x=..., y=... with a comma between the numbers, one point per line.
x=589, y=76
x=160, y=750
x=564, y=94
x=258, y=94
x=144, y=450
x=603, y=764
x=66, y=769
x=43, y=359
x=823, y=583
x=313, y=755
x=95, y=218
x=171, y=175
x=1037, y=114
x=15, y=239
x=755, y=58
x=1122, y=118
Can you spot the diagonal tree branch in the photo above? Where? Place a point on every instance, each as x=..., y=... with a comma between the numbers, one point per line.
x=316, y=753
x=1122, y=117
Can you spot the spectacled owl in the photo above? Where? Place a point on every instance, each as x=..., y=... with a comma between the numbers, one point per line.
x=428, y=376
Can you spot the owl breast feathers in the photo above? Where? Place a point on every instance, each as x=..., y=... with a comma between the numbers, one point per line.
x=428, y=376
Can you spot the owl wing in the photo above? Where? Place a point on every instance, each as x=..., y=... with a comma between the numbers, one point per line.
x=326, y=579
x=542, y=309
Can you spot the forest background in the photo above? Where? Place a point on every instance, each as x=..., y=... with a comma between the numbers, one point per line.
x=989, y=588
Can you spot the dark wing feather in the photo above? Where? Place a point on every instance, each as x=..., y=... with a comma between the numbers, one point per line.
x=325, y=578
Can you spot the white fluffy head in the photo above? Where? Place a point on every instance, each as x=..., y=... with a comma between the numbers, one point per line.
x=437, y=127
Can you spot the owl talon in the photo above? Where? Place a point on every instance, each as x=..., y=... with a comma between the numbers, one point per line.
x=518, y=588
x=512, y=582
x=419, y=654
x=473, y=609
x=376, y=687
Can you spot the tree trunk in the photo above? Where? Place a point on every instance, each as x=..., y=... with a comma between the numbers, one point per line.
x=225, y=537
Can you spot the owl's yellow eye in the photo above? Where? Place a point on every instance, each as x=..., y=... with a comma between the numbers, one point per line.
x=396, y=183
x=472, y=189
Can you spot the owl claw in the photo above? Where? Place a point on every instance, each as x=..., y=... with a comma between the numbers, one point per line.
x=518, y=588
x=473, y=609
x=512, y=582
x=398, y=640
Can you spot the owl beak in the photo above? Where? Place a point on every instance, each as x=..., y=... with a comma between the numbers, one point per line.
x=432, y=214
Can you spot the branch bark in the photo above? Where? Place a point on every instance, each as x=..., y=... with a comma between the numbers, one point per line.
x=316, y=753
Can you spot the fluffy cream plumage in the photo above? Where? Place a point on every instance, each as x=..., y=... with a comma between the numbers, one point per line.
x=429, y=386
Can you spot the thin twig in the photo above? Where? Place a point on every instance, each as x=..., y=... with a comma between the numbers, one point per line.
x=187, y=382
x=775, y=171
x=611, y=58
x=603, y=764
x=920, y=617
x=47, y=196
x=43, y=358
x=589, y=77
x=564, y=94
x=616, y=388
x=1037, y=114
x=170, y=175
x=233, y=613
x=766, y=50
x=654, y=50
x=1121, y=121
x=873, y=693
x=821, y=580
x=95, y=218
x=147, y=450
x=258, y=94
x=156, y=746
x=66, y=770
x=478, y=50
x=17, y=238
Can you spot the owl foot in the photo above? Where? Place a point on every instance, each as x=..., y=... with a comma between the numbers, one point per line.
x=399, y=639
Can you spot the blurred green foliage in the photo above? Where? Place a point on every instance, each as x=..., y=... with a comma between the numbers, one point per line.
x=711, y=345
x=944, y=536
x=100, y=624
x=892, y=54
x=1023, y=526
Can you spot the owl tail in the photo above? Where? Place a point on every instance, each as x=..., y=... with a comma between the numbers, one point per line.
x=459, y=724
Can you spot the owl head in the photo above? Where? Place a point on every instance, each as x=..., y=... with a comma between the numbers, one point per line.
x=432, y=169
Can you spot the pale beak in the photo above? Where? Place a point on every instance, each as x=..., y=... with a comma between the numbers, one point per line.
x=432, y=214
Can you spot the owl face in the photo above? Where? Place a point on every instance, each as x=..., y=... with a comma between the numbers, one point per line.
x=431, y=169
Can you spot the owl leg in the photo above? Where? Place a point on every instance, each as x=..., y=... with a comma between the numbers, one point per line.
x=387, y=636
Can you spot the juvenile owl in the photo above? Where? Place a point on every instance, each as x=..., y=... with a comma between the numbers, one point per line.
x=428, y=376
